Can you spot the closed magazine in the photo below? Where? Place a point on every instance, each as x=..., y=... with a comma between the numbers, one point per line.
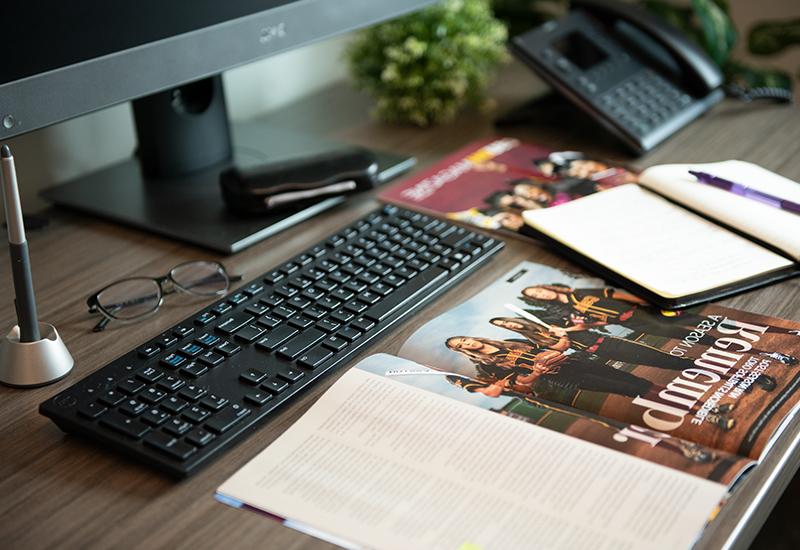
x=549, y=410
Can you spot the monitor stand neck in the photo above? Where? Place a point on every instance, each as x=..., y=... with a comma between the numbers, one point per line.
x=183, y=130
x=171, y=186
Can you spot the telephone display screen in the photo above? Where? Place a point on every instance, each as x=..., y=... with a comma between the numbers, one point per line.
x=579, y=50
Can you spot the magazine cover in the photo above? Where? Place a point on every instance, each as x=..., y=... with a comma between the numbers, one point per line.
x=718, y=377
x=490, y=183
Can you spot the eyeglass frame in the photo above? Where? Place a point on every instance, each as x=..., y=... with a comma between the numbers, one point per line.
x=94, y=306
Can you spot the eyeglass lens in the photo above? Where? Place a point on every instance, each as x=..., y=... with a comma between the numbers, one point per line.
x=130, y=299
x=200, y=278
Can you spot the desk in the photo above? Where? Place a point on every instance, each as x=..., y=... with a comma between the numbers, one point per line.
x=58, y=491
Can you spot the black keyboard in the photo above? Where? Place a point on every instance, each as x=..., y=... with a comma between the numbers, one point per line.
x=180, y=399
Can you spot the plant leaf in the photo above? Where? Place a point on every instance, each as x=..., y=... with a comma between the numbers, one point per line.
x=771, y=37
x=719, y=34
x=748, y=76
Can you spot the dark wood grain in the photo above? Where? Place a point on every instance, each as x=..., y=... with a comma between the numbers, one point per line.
x=59, y=491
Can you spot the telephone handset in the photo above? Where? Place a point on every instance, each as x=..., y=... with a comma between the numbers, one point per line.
x=630, y=71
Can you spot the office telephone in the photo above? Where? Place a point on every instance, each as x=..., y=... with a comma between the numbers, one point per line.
x=630, y=71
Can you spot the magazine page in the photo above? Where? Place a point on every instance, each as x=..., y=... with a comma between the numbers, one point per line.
x=490, y=183
x=658, y=447
x=719, y=377
x=380, y=464
x=745, y=214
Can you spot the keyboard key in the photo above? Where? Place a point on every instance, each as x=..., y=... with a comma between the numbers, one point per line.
x=170, y=383
x=232, y=322
x=204, y=318
x=227, y=419
x=199, y=437
x=211, y=359
x=238, y=298
x=173, y=360
x=273, y=277
x=177, y=426
x=155, y=417
x=275, y=385
x=314, y=357
x=326, y=285
x=214, y=402
x=125, y=425
x=152, y=395
x=194, y=369
x=149, y=374
x=271, y=301
x=174, y=404
x=193, y=392
x=354, y=306
x=327, y=325
x=92, y=410
x=290, y=374
x=328, y=303
x=130, y=386
x=207, y=340
x=301, y=322
x=268, y=321
x=195, y=414
x=276, y=337
x=257, y=310
x=112, y=398
x=253, y=289
x=228, y=348
x=166, y=340
x=169, y=445
x=191, y=349
x=300, y=343
x=315, y=313
x=250, y=333
x=148, y=350
x=222, y=308
x=335, y=343
x=341, y=316
x=348, y=333
x=182, y=331
x=253, y=376
x=285, y=291
x=283, y=312
x=299, y=302
x=368, y=297
x=258, y=397
x=362, y=323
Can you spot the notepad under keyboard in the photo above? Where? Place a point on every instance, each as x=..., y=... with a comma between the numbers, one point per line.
x=180, y=399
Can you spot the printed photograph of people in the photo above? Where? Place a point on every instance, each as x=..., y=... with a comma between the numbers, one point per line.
x=718, y=377
x=500, y=397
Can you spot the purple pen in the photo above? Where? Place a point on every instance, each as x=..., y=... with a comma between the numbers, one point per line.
x=746, y=192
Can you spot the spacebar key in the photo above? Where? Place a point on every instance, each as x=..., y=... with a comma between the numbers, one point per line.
x=409, y=292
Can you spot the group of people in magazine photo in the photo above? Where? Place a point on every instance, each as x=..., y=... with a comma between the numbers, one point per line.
x=559, y=340
x=567, y=175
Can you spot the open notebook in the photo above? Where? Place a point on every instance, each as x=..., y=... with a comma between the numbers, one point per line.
x=677, y=242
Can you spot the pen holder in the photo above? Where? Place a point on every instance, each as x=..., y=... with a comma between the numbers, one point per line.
x=32, y=364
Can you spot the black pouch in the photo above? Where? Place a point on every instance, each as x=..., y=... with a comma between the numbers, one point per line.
x=298, y=182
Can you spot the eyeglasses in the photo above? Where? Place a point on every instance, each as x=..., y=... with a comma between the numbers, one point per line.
x=131, y=300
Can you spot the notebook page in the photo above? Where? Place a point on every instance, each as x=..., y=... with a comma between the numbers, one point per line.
x=653, y=242
x=388, y=466
x=771, y=225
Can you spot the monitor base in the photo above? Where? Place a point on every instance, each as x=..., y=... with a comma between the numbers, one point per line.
x=190, y=208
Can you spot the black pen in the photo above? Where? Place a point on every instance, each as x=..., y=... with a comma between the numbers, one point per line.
x=20, y=261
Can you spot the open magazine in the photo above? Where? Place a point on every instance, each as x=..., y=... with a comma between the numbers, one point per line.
x=548, y=409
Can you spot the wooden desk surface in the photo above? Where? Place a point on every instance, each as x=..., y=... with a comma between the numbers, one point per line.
x=58, y=491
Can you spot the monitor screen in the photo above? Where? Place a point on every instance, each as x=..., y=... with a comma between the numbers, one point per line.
x=64, y=59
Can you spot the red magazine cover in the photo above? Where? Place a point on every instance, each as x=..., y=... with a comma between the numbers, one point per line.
x=490, y=183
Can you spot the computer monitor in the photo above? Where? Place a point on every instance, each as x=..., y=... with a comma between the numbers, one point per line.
x=66, y=59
